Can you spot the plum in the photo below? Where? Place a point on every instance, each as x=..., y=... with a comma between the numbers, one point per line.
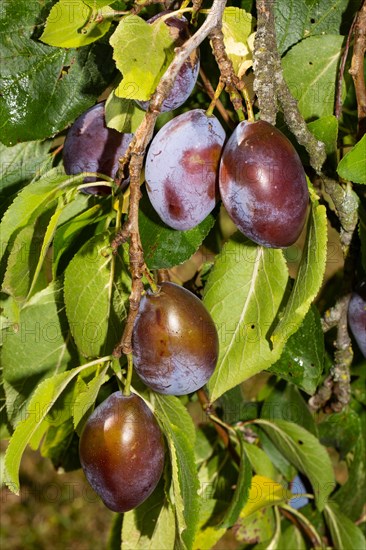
x=90, y=146
x=182, y=167
x=357, y=316
x=122, y=451
x=175, y=342
x=263, y=184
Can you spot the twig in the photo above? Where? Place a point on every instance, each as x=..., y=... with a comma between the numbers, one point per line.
x=357, y=68
x=271, y=87
x=139, y=144
x=211, y=93
x=342, y=65
x=227, y=74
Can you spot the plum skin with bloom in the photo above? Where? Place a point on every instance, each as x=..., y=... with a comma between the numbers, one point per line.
x=121, y=451
x=357, y=317
x=181, y=169
x=90, y=146
x=175, y=342
x=263, y=184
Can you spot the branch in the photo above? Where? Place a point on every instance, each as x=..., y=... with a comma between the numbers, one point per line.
x=228, y=76
x=335, y=393
x=265, y=63
x=357, y=68
x=139, y=144
x=342, y=65
x=271, y=87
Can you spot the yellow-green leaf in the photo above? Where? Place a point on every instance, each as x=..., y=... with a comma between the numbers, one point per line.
x=237, y=27
x=74, y=24
x=142, y=52
x=264, y=492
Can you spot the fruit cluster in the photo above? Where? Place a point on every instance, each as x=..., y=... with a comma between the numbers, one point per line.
x=175, y=352
x=261, y=181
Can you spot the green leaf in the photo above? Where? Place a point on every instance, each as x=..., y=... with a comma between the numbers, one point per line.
x=165, y=247
x=86, y=398
x=151, y=526
x=68, y=233
x=352, y=167
x=237, y=26
x=124, y=115
x=71, y=25
x=302, y=359
x=34, y=199
x=325, y=129
x=341, y=431
x=257, y=527
x=351, y=496
x=345, y=534
x=260, y=462
x=279, y=461
x=242, y=486
x=115, y=535
x=33, y=425
x=89, y=287
x=305, y=452
x=19, y=164
x=292, y=538
x=296, y=20
x=23, y=259
x=142, y=52
x=310, y=70
x=35, y=347
x=309, y=277
x=362, y=233
x=44, y=88
x=179, y=430
x=288, y=405
x=243, y=295
x=208, y=532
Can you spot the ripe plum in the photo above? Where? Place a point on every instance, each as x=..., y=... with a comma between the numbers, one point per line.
x=175, y=342
x=122, y=451
x=90, y=146
x=181, y=168
x=188, y=73
x=263, y=184
x=357, y=317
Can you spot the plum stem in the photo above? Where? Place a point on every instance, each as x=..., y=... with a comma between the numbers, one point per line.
x=211, y=92
x=126, y=390
x=150, y=279
x=217, y=93
x=130, y=231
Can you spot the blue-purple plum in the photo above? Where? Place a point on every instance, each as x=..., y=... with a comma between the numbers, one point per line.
x=175, y=342
x=181, y=169
x=188, y=73
x=121, y=451
x=90, y=146
x=263, y=184
x=357, y=317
